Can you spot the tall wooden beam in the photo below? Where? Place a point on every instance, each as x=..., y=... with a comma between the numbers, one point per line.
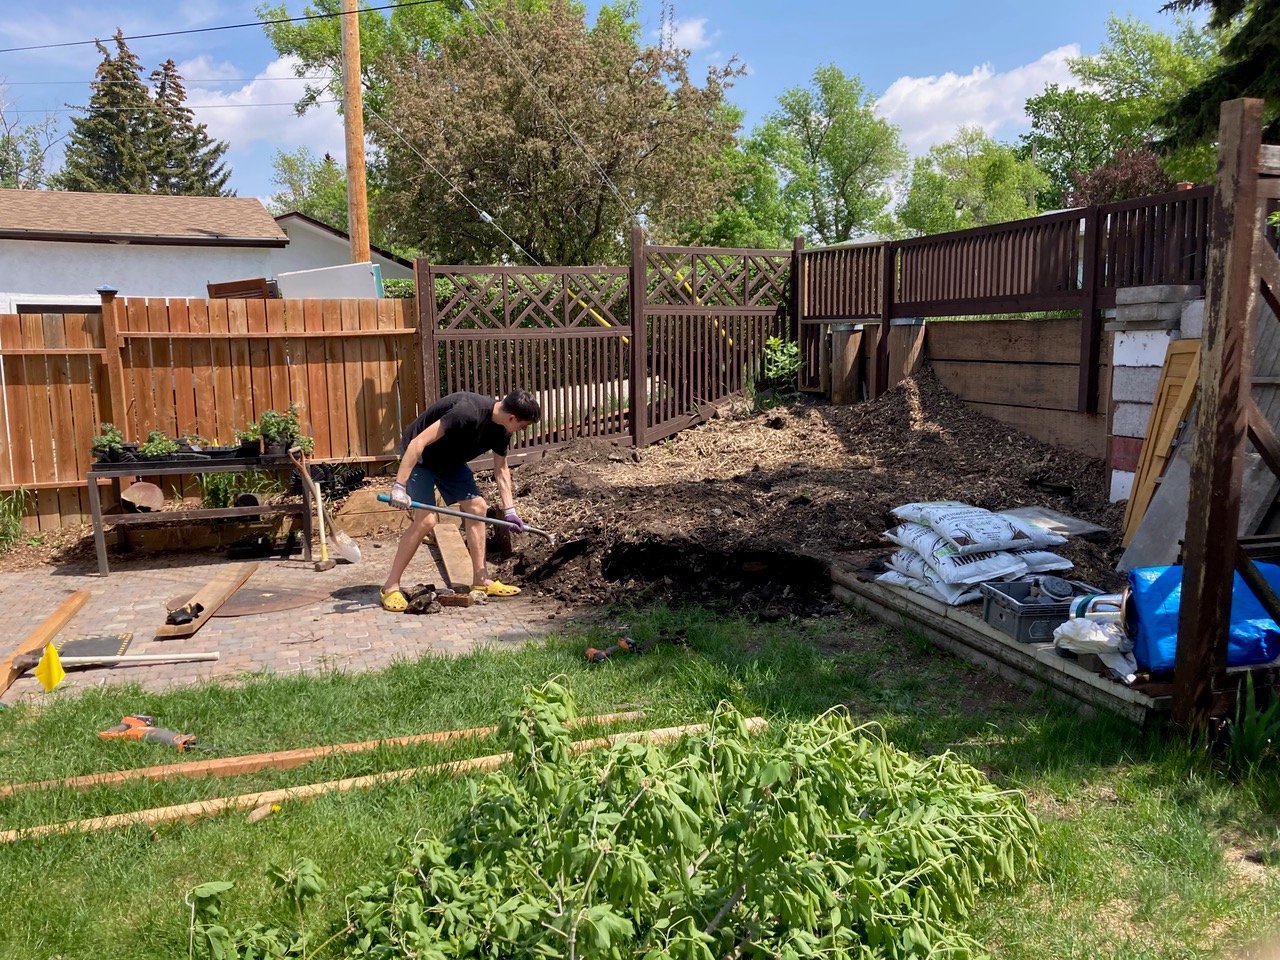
x=353, y=124
x=1217, y=463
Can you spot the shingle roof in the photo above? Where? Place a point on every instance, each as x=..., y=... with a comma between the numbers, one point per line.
x=107, y=217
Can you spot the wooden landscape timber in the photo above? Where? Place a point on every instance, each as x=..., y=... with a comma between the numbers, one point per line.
x=10, y=666
x=210, y=597
x=188, y=812
x=281, y=759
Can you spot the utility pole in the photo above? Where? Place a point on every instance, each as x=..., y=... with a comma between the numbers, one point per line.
x=353, y=122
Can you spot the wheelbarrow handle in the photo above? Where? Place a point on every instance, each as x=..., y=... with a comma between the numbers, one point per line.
x=462, y=515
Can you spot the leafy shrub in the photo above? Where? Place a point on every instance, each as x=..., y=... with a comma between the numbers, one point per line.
x=158, y=445
x=398, y=288
x=108, y=440
x=218, y=490
x=823, y=841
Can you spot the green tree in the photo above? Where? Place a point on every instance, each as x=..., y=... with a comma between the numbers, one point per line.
x=562, y=134
x=836, y=158
x=111, y=148
x=1123, y=91
x=23, y=151
x=969, y=181
x=188, y=162
x=317, y=188
x=756, y=212
x=1248, y=66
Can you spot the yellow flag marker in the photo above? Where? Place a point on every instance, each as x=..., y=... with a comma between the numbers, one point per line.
x=49, y=670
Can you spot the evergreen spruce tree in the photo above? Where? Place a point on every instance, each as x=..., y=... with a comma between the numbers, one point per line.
x=111, y=148
x=189, y=161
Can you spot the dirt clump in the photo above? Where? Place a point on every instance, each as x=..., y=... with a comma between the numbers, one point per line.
x=791, y=489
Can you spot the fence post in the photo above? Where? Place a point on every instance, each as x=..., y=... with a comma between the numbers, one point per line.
x=429, y=352
x=888, y=278
x=639, y=380
x=1090, y=316
x=796, y=306
x=115, y=366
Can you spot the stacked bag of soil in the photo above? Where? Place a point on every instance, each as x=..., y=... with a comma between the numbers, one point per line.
x=947, y=548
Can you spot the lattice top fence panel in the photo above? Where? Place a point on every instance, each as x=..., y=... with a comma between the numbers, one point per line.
x=521, y=298
x=697, y=277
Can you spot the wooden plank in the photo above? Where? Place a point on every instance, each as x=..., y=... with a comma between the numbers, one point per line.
x=295, y=358
x=1011, y=341
x=63, y=437
x=184, y=381
x=40, y=637
x=205, y=419
x=1042, y=386
x=162, y=374
x=21, y=462
x=317, y=402
x=276, y=364
x=211, y=596
x=85, y=411
x=373, y=395
x=1082, y=432
x=1216, y=463
x=453, y=553
x=139, y=384
x=188, y=812
x=1174, y=395
x=244, y=406
x=282, y=759
x=352, y=371
x=341, y=442
x=259, y=357
x=40, y=413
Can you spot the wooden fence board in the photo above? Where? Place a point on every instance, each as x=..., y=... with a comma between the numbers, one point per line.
x=1013, y=341
x=276, y=362
x=165, y=416
x=43, y=431
x=64, y=442
x=225, y=409
x=1041, y=386
x=336, y=394
x=1085, y=433
x=259, y=357
x=352, y=368
x=317, y=396
x=86, y=413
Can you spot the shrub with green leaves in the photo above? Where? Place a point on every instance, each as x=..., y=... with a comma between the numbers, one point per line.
x=820, y=839
x=158, y=445
x=781, y=362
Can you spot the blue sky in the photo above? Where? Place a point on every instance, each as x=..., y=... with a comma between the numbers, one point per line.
x=933, y=65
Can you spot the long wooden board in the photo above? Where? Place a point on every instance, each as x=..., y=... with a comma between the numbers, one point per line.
x=281, y=759
x=454, y=554
x=1174, y=395
x=40, y=636
x=211, y=596
x=251, y=801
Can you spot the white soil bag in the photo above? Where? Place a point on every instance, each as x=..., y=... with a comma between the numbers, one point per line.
x=950, y=566
x=974, y=530
x=911, y=565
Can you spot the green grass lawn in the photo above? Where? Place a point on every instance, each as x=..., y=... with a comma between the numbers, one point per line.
x=1147, y=852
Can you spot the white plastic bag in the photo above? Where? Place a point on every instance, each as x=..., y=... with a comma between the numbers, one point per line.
x=951, y=567
x=974, y=530
x=1092, y=636
x=932, y=588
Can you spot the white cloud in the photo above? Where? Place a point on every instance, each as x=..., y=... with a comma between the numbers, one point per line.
x=689, y=34
x=929, y=110
x=205, y=67
x=262, y=111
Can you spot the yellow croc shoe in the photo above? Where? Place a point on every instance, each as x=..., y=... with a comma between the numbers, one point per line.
x=394, y=600
x=497, y=589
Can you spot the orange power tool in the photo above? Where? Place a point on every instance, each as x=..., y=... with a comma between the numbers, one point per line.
x=141, y=727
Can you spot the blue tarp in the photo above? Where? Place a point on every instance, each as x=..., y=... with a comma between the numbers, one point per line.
x=1157, y=592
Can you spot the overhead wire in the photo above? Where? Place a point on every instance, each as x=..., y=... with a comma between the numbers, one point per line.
x=225, y=26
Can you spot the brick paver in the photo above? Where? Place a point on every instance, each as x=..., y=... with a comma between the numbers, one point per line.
x=347, y=631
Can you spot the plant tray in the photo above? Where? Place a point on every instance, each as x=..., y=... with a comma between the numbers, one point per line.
x=1005, y=607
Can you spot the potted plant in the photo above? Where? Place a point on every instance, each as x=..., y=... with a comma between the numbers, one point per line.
x=159, y=446
x=193, y=443
x=109, y=445
x=280, y=431
x=250, y=440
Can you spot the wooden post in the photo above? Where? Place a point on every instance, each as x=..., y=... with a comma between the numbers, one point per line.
x=115, y=366
x=1090, y=315
x=888, y=279
x=425, y=294
x=1226, y=369
x=796, y=306
x=846, y=371
x=353, y=124
x=636, y=292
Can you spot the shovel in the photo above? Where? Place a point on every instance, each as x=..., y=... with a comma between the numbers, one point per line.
x=493, y=521
x=332, y=537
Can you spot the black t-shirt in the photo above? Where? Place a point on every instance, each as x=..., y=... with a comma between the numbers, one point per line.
x=469, y=431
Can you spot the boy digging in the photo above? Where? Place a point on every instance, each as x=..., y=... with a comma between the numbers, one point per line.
x=437, y=448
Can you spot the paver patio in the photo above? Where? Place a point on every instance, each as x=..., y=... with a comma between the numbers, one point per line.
x=346, y=631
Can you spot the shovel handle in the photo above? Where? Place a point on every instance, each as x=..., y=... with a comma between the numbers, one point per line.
x=471, y=516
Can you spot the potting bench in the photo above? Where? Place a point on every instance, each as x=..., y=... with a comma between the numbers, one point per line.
x=164, y=468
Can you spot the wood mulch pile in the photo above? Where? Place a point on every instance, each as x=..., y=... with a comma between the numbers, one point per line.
x=727, y=512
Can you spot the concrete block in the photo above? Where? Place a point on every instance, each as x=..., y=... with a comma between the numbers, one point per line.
x=1130, y=419
x=1121, y=485
x=1135, y=384
x=1115, y=326
x=1157, y=293
x=1148, y=312
x=1139, y=348
x=1192, y=320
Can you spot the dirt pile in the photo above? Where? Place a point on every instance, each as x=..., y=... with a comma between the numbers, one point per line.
x=733, y=512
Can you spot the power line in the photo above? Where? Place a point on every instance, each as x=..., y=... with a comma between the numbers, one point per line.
x=452, y=186
x=81, y=83
x=226, y=26
x=189, y=106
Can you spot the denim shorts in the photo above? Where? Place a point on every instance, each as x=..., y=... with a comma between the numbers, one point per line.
x=454, y=485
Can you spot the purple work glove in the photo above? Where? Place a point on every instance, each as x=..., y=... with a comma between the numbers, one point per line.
x=513, y=518
x=400, y=497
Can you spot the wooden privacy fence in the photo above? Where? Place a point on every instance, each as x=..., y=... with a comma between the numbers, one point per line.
x=635, y=353
x=187, y=367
